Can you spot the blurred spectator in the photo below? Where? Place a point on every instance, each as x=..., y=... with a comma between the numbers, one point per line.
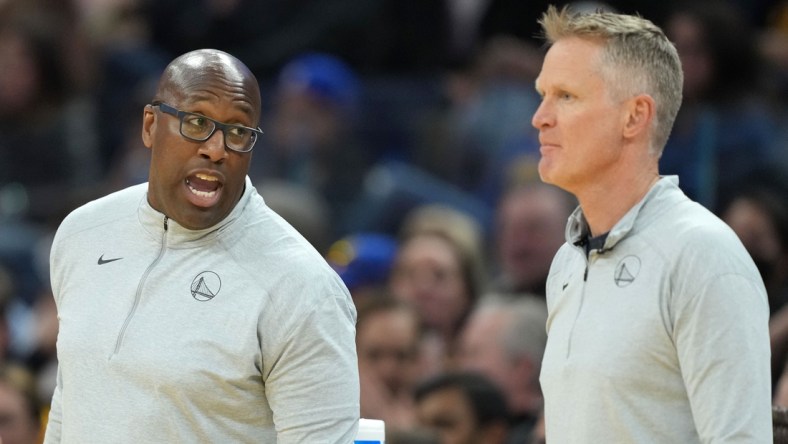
x=126, y=59
x=758, y=213
x=433, y=272
x=463, y=408
x=455, y=223
x=24, y=287
x=129, y=160
x=302, y=207
x=312, y=140
x=504, y=339
x=724, y=128
x=363, y=261
x=43, y=112
x=28, y=320
x=388, y=341
x=41, y=359
x=20, y=411
x=440, y=269
x=530, y=228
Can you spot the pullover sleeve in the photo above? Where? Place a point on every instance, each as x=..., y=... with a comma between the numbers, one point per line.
x=54, y=421
x=721, y=336
x=311, y=374
x=54, y=424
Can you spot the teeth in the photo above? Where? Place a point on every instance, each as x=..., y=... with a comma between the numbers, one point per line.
x=207, y=177
x=202, y=193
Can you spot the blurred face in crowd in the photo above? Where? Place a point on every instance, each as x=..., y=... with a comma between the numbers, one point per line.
x=449, y=412
x=16, y=424
x=530, y=230
x=481, y=349
x=579, y=122
x=696, y=61
x=427, y=273
x=387, y=343
x=19, y=77
x=198, y=183
x=304, y=122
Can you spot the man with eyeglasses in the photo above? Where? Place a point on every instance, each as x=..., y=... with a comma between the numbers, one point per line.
x=189, y=311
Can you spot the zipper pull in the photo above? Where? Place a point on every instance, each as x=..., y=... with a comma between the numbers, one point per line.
x=166, y=222
x=585, y=274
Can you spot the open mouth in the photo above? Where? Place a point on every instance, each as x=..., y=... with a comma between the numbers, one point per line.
x=203, y=188
x=203, y=185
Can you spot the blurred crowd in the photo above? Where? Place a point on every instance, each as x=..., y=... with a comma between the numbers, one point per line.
x=398, y=142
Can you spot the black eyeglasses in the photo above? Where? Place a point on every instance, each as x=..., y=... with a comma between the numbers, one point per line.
x=200, y=128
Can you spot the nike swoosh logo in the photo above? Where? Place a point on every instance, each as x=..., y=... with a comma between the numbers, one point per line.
x=102, y=261
x=565, y=285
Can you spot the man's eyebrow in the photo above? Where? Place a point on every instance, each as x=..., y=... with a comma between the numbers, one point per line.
x=245, y=107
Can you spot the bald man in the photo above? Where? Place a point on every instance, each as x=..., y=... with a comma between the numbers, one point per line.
x=189, y=311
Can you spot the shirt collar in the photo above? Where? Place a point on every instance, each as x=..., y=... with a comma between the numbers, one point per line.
x=577, y=227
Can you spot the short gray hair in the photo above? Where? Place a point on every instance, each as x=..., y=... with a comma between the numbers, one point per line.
x=525, y=333
x=637, y=58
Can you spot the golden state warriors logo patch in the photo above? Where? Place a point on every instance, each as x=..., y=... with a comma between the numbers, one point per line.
x=626, y=271
x=205, y=286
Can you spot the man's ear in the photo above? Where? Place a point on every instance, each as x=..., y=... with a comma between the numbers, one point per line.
x=148, y=125
x=641, y=112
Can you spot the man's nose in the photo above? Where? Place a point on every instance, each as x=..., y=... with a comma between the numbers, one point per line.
x=543, y=116
x=213, y=148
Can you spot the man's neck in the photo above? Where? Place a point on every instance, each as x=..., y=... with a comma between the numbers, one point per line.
x=608, y=201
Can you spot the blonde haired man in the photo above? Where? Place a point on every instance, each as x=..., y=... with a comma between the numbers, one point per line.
x=658, y=318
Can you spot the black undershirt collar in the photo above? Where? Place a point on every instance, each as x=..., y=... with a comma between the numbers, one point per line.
x=595, y=243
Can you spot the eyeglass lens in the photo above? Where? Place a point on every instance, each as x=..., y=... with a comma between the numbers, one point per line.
x=200, y=128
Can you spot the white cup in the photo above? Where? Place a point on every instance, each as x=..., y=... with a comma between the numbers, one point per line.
x=371, y=431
